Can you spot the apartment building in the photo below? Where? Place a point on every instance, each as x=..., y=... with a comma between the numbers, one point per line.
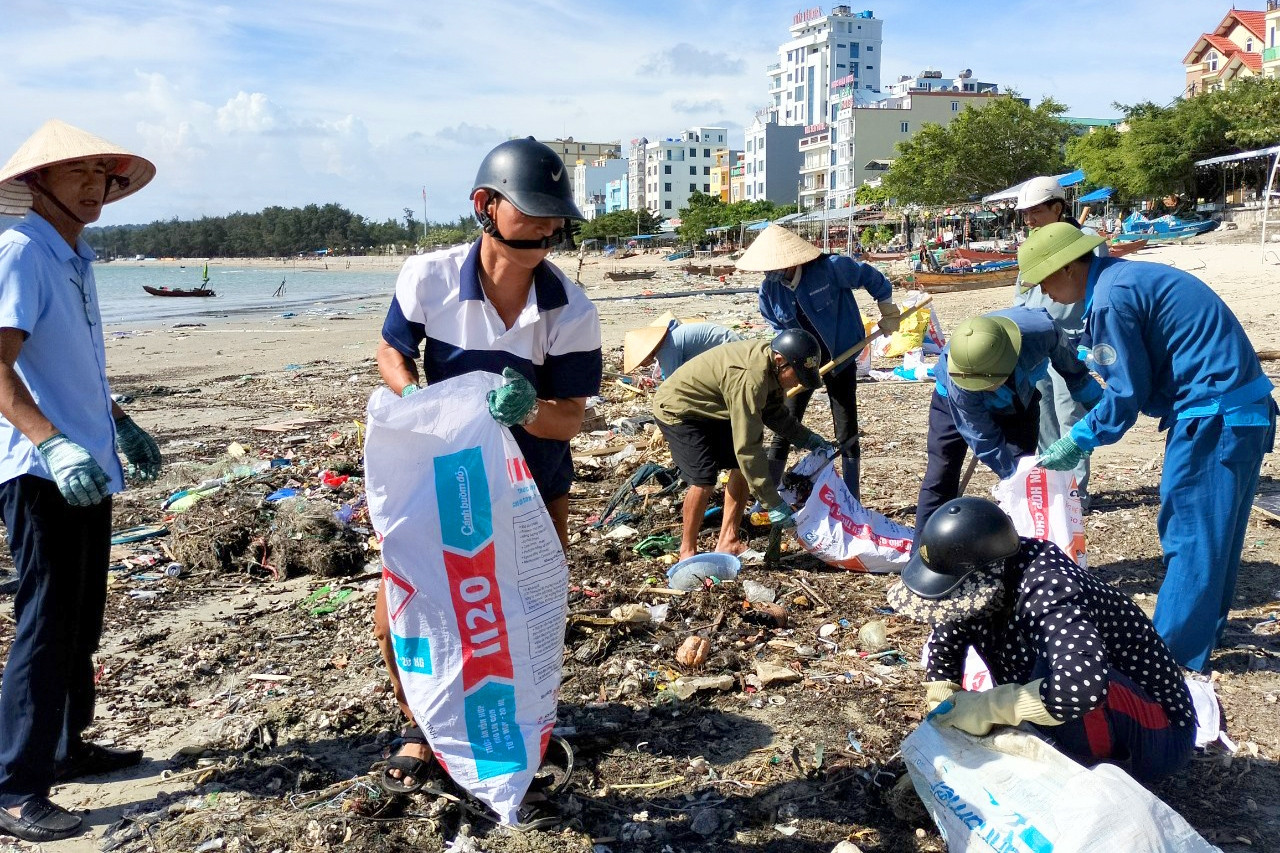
x=771, y=160
x=591, y=181
x=678, y=166
x=572, y=152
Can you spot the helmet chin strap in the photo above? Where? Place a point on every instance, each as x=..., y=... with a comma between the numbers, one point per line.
x=555, y=238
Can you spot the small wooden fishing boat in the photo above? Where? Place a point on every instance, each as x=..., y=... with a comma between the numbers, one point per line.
x=629, y=275
x=1120, y=249
x=202, y=290
x=980, y=256
x=884, y=256
x=178, y=291
x=713, y=271
x=947, y=282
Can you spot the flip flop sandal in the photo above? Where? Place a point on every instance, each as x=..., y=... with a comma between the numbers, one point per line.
x=557, y=768
x=137, y=533
x=409, y=767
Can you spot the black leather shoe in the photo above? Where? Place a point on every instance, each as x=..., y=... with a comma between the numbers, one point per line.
x=90, y=759
x=40, y=821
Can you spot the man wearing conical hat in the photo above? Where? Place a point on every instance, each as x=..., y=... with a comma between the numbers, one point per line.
x=1169, y=347
x=814, y=292
x=670, y=342
x=59, y=433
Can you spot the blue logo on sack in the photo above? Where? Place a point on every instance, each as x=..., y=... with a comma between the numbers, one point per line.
x=495, y=738
x=462, y=499
x=413, y=654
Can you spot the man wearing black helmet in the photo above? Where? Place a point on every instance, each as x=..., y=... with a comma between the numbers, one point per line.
x=498, y=305
x=1068, y=654
x=713, y=411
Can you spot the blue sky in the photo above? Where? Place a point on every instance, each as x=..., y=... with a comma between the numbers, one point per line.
x=249, y=103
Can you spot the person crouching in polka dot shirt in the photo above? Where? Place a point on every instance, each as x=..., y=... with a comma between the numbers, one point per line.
x=1071, y=656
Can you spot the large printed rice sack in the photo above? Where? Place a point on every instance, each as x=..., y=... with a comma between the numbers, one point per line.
x=476, y=583
x=920, y=329
x=837, y=529
x=1012, y=792
x=1044, y=505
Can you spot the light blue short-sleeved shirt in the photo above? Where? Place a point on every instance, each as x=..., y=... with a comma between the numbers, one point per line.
x=48, y=292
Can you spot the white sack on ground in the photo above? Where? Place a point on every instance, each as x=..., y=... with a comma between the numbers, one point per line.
x=837, y=529
x=476, y=583
x=1013, y=791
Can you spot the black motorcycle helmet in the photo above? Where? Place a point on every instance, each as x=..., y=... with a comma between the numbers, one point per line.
x=533, y=178
x=801, y=351
x=963, y=536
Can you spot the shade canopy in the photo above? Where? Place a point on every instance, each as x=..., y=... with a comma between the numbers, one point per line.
x=1097, y=195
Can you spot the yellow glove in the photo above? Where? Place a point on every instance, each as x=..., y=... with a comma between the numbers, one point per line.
x=937, y=692
x=1006, y=705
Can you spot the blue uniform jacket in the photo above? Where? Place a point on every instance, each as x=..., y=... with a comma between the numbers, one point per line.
x=1042, y=344
x=1168, y=347
x=825, y=295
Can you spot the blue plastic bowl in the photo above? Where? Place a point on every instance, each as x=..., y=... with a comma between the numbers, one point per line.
x=689, y=573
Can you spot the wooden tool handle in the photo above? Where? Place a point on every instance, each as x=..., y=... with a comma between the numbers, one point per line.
x=856, y=348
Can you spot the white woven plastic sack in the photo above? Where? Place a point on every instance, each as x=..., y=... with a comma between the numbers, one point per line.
x=1045, y=505
x=837, y=529
x=476, y=583
x=1014, y=793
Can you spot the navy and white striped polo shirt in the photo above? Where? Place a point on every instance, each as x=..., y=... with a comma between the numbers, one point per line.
x=555, y=342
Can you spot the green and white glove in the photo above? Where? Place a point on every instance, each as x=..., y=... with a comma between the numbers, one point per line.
x=817, y=442
x=890, y=316
x=782, y=516
x=79, y=476
x=1006, y=705
x=1063, y=455
x=407, y=390
x=937, y=692
x=516, y=402
x=138, y=448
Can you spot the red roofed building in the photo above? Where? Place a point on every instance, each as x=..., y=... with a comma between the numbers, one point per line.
x=1234, y=49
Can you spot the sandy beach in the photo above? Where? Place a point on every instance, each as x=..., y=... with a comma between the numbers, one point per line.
x=182, y=672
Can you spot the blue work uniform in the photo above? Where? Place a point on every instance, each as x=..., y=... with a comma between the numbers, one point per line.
x=821, y=301
x=1059, y=411
x=685, y=340
x=1000, y=425
x=1169, y=347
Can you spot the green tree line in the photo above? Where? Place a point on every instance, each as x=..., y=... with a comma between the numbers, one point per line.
x=276, y=232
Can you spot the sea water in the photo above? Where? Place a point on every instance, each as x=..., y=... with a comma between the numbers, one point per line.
x=240, y=290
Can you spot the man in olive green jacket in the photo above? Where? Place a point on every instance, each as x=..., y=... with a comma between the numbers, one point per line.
x=713, y=411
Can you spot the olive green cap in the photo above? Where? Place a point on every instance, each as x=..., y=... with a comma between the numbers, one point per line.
x=1051, y=248
x=983, y=352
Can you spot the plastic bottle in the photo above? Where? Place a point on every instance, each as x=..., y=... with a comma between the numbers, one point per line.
x=173, y=570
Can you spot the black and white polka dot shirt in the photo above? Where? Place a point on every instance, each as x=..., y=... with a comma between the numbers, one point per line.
x=1081, y=627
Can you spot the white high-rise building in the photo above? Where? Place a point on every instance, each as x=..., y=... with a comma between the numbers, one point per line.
x=824, y=49
x=678, y=166
x=827, y=58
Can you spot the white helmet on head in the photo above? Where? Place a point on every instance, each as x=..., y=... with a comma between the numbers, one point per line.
x=1038, y=191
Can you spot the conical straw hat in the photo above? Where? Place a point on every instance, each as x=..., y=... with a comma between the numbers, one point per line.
x=58, y=142
x=639, y=344
x=777, y=249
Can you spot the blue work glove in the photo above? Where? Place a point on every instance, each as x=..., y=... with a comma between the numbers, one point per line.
x=79, y=476
x=514, y=402
x=1063, y=455
x=407, y=390
x=782, y=516
x=139, y=448
x=817, y=442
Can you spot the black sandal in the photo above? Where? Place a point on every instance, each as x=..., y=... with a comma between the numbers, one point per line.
x=40, y=821
x=91, y=759
x=408, y=766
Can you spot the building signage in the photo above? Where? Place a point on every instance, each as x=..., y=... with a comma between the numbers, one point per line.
x=849, y=80
x=807, y=15
x=815, y=128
